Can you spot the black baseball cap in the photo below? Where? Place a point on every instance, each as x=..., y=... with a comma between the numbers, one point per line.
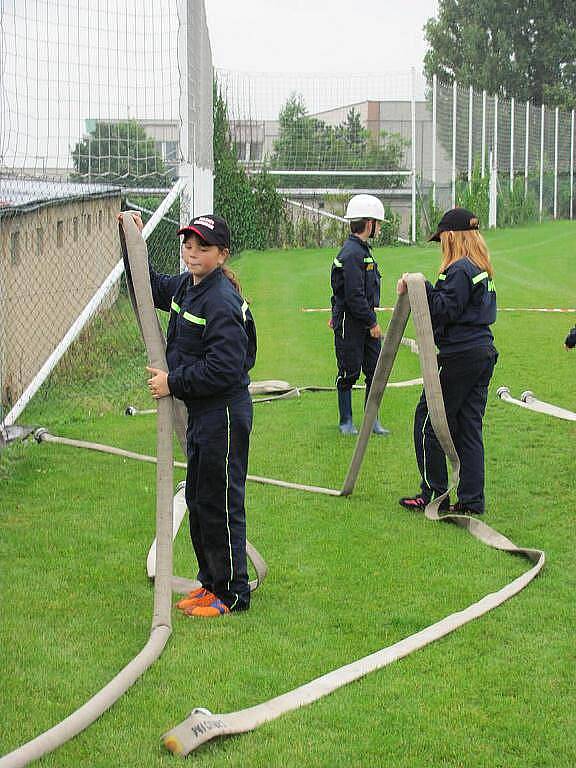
x=212, y=229
x=455, y=220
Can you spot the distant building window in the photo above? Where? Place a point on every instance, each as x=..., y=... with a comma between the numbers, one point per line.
x=88, y=223
x=15, y=248
x=75, y=228
x=171, y=151
x=59, y=234
x=240, y=147
x=255, y=150
x=100, y=221
x=39, y=241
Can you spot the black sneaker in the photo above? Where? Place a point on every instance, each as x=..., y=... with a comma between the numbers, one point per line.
x=418, y=503
x=461, y=509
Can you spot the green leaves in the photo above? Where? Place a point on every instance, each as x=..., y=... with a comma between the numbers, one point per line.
x=523, y=48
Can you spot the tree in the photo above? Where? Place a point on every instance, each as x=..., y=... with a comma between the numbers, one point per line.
x=119, y=152
x=251, y=205
x=307, y=143
x=521, y=48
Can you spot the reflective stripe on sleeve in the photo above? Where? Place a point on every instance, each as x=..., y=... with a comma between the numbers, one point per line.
x=481, y=276
x=441, y=276
x=194, y=319
x=175, y=306
x=337, y=263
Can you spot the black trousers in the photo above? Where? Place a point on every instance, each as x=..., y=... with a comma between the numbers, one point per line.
x=218, y=442
x=464, y=379
x=356, y=352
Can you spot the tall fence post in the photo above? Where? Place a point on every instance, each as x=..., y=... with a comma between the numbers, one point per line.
x=454, y=108
x=512, y=116
x=483, y=134
x=413, y=114
x=470, y=120
x=493, y=192
x=527, y=149
x=542, y=118
x=434, y=97
x=556, y=113
x=572, y=164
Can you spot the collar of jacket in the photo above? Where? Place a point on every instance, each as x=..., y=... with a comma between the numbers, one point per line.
x=205, y=284
x=356, y=239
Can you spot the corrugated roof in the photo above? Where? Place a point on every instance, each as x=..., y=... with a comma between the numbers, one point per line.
x=28, y=193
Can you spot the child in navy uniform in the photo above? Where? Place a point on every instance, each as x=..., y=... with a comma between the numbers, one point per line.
x=355, y=284
x=210, y=347
x=463, y=307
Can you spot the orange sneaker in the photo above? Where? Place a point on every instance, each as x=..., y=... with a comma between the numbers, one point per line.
x=206, y=610
x=198, y=596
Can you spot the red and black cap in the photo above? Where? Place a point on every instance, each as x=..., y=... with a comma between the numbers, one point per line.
x=212, y=229
x=455, y=220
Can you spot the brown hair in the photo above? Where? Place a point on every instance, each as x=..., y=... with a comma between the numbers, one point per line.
x=232, y=277
x=467, y=244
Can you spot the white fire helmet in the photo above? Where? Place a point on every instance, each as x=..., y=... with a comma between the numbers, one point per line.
x=364, y=207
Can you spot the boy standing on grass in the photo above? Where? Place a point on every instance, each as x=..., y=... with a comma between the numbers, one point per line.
x=355, y=293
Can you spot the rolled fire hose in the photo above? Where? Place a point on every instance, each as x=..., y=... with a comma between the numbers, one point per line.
x=201, y=726
x=282, y=390
x=531, y=403
x=161, y=621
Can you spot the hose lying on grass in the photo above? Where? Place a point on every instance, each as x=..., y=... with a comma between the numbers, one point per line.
x=528, y=401
x=201, y=726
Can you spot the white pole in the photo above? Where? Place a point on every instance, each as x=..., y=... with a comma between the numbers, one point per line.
x=470, y=119
x=495, y=146
x=556, y=163
x=454, y=108
x=413, y=113
x=527, y=149
x=87, y=313
x=434, y=97
x=512, y=115
x=492, y=193
x=541, y=160
x=572, y=164
x=483, y=133
x=186, y=135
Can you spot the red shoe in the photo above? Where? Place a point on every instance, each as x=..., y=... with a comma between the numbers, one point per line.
x=198, y=596
x=208, y=610
x=418, y=503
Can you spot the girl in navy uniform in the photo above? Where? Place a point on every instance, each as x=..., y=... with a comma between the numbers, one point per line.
x=210, y=347
x=355, y=293
x=463, y=307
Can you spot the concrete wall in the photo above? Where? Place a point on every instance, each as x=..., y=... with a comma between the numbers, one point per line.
x=52, y=261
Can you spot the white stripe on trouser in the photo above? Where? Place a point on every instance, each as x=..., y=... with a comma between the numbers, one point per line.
x=228, y=511
x=424, y=440
x=424, y=450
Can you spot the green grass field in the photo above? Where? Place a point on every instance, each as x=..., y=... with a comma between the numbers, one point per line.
x=347, y=576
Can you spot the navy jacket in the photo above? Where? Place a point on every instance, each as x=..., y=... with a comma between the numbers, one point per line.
x=463, y=306
x=355, y=283
x=211, y=337
x=570, y=340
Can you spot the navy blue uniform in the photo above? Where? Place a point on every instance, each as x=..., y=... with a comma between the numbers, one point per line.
x=355, y=292
x=462, y=306
x=211, y=346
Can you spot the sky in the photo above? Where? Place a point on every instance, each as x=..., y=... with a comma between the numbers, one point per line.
x=319, y=36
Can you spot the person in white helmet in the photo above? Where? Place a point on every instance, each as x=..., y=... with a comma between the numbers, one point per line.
x=355, y=292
